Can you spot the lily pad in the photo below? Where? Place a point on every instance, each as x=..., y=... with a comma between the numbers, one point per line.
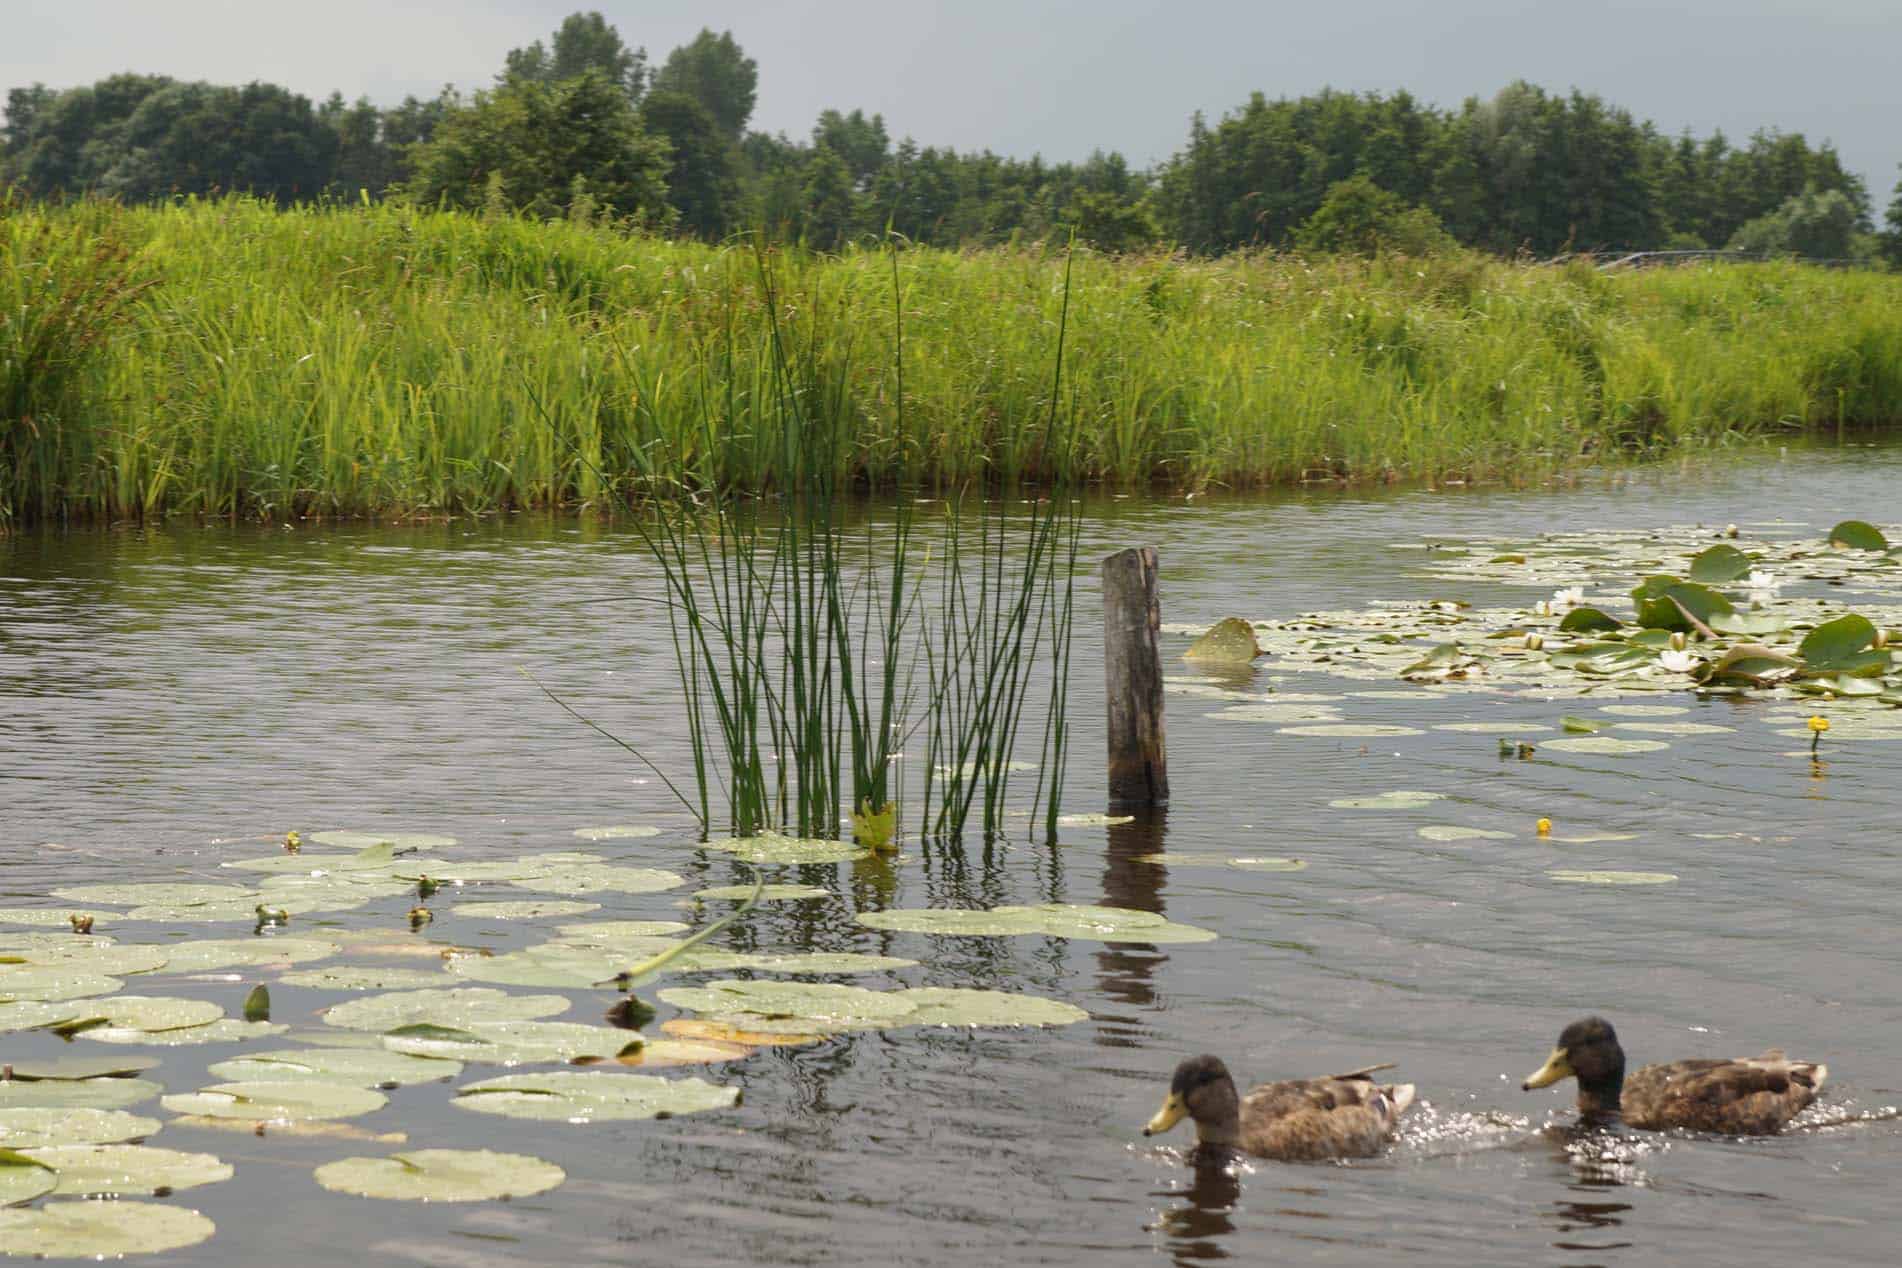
x=1399, y=799
x=100, y=1230
x=602, y=878
x=94, y=955
x=363, y=977
x=1230, y=641
x=1351, y=730
x=617, y=832
x=152, y=1013
x=1857, y=535
x=73, y=1069
x=1607, y=745
x=33, y=1014
x=821, y=962
x=33, y=1127
x=354, y=1067
x=450, y=1006
x=224, y=1030
x=945, y=1006
x=1095, y=820
x=592, y=1096
x=242, y=911
x=441, y=1175
x=349, y=840
x=767, y=893
x=512, y=1042
x=658, y=1053
x=1720, y=563
x=1278, y=712
x=52, y=983
x=64, y=1094
x=22, y=1179
x=772, y=848
x=1455, y=832
x=152, y=893
x=1644, y=710
x=128, y=1170
x=53, y=917
x=1493, y=728
x=1057, y=920
x=818, y=1008
x=205, y=954
x=1612, y=878
x=1676, y=728
x=525, y=909
x=277, y=1101
x=601, y=933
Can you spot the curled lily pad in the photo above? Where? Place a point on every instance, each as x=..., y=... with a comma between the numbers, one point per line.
x=772, y=848
x=617, y=832
x=224, y=1030
x=1230, y=641
x=99, y=1094
x=1577, y=877
x=1857, y=535
x=22, y=1178
x=944, y=1006
x=1607, y=745
x=274, y=1101
x=32, y=1127
x=128, y=1170
x=767, y=893
x=525, y=909
x=72, y=1069
x=1399, y=799
x=349, y=840
x=452, y=1006
x=205, y=954
x=363, y=977
x=100, y=1230
x=33, y=1014
x=512, y=1042
x=354, y=1067
x=441, y=1175
x=593, y=1096
x=599, y=878
x=152, y=1013
x=1455, y=832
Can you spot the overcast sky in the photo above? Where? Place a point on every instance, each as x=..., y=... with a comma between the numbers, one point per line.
x=1058, y=77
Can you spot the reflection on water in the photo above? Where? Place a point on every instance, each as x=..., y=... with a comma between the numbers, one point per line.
x=169, y=697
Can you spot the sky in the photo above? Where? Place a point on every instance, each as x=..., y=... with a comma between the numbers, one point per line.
x=1057, y=77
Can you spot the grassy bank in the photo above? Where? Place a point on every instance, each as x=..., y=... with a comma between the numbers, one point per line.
x=227, y=358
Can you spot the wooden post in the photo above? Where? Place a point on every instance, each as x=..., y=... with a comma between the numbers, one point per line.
x=1132, y=677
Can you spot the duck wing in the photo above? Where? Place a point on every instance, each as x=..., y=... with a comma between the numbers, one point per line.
x=1336, y=1116
x=1742, y=1096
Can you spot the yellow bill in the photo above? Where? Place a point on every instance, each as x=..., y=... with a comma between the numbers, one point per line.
x=1557, y=1066
x=1172, y=1111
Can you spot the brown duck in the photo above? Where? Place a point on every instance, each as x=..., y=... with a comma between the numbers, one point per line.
x=1297, y=1120
x=1742, y=1096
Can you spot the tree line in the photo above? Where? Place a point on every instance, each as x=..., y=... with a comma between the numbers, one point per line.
x=584, y=126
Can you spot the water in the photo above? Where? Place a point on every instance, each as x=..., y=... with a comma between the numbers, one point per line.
x=175, y=697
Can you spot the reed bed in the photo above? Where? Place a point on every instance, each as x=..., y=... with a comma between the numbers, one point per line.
x=226, y=358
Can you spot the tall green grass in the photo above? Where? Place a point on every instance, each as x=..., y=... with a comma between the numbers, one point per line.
x=377, y=360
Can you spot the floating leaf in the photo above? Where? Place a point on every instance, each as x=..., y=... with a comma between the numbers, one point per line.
x=128, y=1170
x=401, y=841
x=512, y=1042
x=152, y=1013
x=1351, y=730
x=1399, y=799
x=1094, y=820
x=224, y=1030
x=1588, y=620
x=52, y=983
x=1230, y=641
x=824, y=962
x=772, y=848
x=32, y=1127
x=244, y=911
x=451, y=1006
x=1856, y=535
x=276, y=1100
x=617, y=832
x=52, y=917
x=526, y=909
x=99, y=1094
x=1751, y=624
x=93, y=955
x=659, y=1053
x=728, y=1035
x=100, y=1230
x=441, y=1175
x=1606, y=745
x=1612, y=878
x=769, y=893
x=816, y=1007
x=1720, y=563
x=874, y=828
x=598, y=878
x=944, y=1006
x=1842, y=645
x=353, y=1067
x=204, y=954
x=76, y=1068
x=22, y=1179
x=362, y=977
x=1278, y=712
x=1577, y=725
x=1676, y=728
x=1493, y=728
x=1644, y=710
x=1666, y=603
x=1057, y=920
x=1454, y=832
x=584, y=1097
x=610, y=932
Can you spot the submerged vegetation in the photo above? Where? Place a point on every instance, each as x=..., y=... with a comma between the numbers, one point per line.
x=226, y=358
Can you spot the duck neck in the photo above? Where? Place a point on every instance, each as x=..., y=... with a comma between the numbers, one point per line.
x=1601, y=1104
x=1226, y=1134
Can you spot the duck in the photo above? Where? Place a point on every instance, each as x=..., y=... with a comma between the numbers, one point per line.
x=1296, y=1120
x=1738, y=1096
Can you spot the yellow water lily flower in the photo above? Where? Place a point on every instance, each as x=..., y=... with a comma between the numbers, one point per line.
x=1545, y=827
x=1819, y=724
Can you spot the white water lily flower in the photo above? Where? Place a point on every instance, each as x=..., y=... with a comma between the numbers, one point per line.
x=1542, y=608
x=1569, y=597
x=1677, y=662
x=1761, y=580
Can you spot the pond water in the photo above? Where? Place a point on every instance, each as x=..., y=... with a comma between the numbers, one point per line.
x=171, y=699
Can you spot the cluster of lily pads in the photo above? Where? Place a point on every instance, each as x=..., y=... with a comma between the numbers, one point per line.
x=73, y=1127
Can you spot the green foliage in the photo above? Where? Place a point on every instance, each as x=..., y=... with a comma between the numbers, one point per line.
x=584, y=42
x=1360, y=217
x=714, y=71
x=539, y=146
x=702, y=182
x=1814, y=224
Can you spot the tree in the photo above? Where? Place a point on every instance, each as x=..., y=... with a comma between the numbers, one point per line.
x=861, y=142
x=584, y=42
x=1360, y=217
x=831, y=210
x=528, y=143
x=1891, y=239
x=715, y=72
x=1820, y=225
x=701, y=181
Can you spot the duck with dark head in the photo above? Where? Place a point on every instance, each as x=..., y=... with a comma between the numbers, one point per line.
x=1738, y=1096
x=1336, y=1116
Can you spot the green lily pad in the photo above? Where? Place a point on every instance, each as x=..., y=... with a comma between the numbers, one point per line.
x=944, y=1006
x=772, y=848
x=152, y=893
x=1606, y=745
x=442, y=1175
x=525, y=909
x=1351, y=730
x=363, y=977
x=224, y=1030
x=819, y=962
x=51, y=984
x=601, y=933
x=1753, y=624
x=1399, y=799
x=1455, y=832
x=1587, y=620
x=1095, y=820
x=1278, y=712
x=1578, y=726
x=353, y=1067
x=22, y=1179
x=1612, y=878
x=1676, y=728
x=1842, y=645
x=32, y=1127
x=512, y=1042
x=128, y=1170
x=571, y=968
x=586, y=1097
x=821, y=1008
x=1057, y=920
x=602, y=878
x=347, y=840
x=1230, y=641
x=100, y=1230
x=1720, y=563
x=1857, y=535
x=93, y=955
x=98, y=1094
x=33, y=1014
x=72, y=1069
x=53, y=917
x=1644, y=710
x=452, y=1006
x=153, y=1013
x=232, y=913
x=205, y=954
x=277, y=1101
x=1493, y=728
x=767, y=893
x=617, y=832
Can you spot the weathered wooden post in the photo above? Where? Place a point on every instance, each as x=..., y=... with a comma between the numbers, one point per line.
x=1132, y=677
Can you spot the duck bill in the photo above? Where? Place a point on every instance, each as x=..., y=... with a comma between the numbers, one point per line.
x=1557, y=1066
x=1168, y=1116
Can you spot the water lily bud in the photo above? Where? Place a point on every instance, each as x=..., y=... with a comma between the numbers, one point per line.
x=272, y=915
x=1730, y=530
x=293, y=842
x=1678, y=641
x=1881, y=640
x=1534, y=642
x=420, y=916
x=81, y=924
x=1545, y=827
